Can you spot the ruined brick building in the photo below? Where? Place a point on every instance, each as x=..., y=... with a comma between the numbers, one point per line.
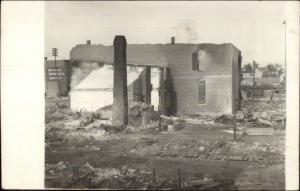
x=191, y=77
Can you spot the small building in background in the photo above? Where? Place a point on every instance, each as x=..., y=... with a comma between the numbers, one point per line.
x=57, y=78
x=269, y=81
x=257, y=74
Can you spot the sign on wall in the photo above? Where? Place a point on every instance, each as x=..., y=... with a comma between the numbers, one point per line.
x=55, y=73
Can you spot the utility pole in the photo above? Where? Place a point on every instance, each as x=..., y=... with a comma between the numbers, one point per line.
x=284, y=22
x=253, y=82
x=55, y=53
x=285, y=80
x=285, y=68
x=46, y=78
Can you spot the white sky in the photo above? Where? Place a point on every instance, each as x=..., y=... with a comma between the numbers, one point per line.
x=254, y=27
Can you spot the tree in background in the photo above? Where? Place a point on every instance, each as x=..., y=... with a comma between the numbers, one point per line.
x=271, y=70
x=274, y=70
x=247, y=68
x=265, y=73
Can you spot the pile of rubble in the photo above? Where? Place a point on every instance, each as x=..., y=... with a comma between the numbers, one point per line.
x=80, y=119
x=65, y=126
x=140, y=105
x=214, y=150
x=200, y=118
x=152, y=125
x=89, y=148
x=60, y=113
x=64, y=175
x=87, y=118
x=262, y=114
x=265, y=114
x=170, y=123
x=92, y=134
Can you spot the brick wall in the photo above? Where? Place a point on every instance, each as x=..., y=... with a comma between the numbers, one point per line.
x=215, y=70
x=216, y=66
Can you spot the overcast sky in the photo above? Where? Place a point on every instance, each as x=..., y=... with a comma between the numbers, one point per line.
x=254, y=27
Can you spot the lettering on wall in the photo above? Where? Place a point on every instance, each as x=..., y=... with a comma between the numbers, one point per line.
x=55, y=73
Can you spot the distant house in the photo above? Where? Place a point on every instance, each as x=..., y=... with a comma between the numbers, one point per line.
x=249, y=80
x=257, y=74
x=270, y=81
x=261, y=87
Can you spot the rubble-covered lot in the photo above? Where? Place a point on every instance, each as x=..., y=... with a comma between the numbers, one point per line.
x=83, y=152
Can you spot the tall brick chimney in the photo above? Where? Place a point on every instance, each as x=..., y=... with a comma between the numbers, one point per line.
x=120, y=99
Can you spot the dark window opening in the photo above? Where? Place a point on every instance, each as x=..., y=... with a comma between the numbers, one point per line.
x=201, y=99
x=195, y=61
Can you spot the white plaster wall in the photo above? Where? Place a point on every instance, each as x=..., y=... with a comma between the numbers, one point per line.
x=85, y=94
x=90, y=100
x=155, y=85
x=155, y=99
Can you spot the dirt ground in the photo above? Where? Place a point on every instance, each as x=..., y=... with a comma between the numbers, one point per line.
x=199, y=156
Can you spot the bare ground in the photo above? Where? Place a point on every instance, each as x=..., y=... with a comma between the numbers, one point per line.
x=206, y=154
